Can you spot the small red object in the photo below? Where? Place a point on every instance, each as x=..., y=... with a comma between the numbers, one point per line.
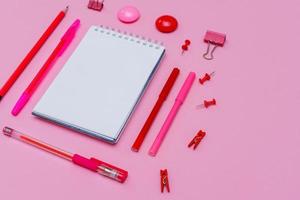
x=197, y=139
x=206, y=77
x=96, y=4
x=166, y=24
x=164, y=180
x=210, y=103
x=185, y=46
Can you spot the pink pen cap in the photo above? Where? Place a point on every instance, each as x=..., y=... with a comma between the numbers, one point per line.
x=20, y=103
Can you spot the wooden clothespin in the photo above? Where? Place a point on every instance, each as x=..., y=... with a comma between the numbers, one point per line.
x=197, y=139
x=164, y=180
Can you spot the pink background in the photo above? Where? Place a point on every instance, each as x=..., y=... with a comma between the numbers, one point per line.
x=252, y=146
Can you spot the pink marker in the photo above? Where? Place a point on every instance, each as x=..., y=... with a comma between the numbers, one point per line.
x=58, y=51
x=178, y=102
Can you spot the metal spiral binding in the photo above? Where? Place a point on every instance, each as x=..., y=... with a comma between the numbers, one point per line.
x=129, y=36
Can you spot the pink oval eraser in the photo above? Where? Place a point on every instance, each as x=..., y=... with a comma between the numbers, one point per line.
x=128, y=14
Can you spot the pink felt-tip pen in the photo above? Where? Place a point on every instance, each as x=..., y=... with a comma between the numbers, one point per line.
x=178, y=102
x=58, y=51
x=92, y=164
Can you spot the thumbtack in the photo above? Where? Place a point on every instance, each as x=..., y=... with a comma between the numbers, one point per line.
x=185, y=46
x=207, y=104
x=215, y=39
x=96, y=4
x=206, y=77
x=197, y=139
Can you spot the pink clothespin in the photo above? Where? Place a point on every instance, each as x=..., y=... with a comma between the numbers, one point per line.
x=96, y=4
x=215, y=39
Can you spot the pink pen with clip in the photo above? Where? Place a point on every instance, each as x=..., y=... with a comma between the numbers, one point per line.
x=58, y=51
x=178, y=102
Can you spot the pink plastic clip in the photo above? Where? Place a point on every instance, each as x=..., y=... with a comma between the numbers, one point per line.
x=96, y=4
x=213, y=38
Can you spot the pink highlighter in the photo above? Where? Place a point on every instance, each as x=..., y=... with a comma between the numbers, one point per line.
x=178, y=102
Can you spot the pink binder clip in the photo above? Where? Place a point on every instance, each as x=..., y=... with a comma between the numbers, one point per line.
x=96, y=4
x=215, y=39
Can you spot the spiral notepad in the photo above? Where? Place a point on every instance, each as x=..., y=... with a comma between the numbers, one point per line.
x=100, y=85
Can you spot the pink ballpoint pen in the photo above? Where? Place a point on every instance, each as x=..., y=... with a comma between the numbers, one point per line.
x=58, y=51
x=92, y=164
x=178, y=102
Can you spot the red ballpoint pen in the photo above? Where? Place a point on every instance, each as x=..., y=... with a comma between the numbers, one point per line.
x=60, y=48
x=28, y=58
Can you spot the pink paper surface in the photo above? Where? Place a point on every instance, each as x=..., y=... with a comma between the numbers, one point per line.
x=251, y=150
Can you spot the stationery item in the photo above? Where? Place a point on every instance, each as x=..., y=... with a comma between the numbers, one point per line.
x=197, y=139
x=25, y=62
x=206, y=77
x=207, y=104
x=185, y=46
x=161, y=98
x=215, y=39
x=101, y=84
x=164, y=180
x=92, y=164
x=170, y=118
x=128, y=14
x=58, y=51
x=166, y=24
x=96, y=5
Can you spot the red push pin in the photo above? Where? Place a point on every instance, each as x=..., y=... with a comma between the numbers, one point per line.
x=164, y=180
x=207, y=104
x=197, y=139
x=185, y=46
x=206, y=77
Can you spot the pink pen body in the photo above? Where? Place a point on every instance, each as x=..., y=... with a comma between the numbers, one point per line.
x=164, y=129
x=170, y=118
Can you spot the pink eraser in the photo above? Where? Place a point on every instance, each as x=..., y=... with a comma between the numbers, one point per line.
x=128, y=14
x=215, y=38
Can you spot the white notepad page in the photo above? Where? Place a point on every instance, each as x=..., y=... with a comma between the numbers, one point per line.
x=100, y=85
